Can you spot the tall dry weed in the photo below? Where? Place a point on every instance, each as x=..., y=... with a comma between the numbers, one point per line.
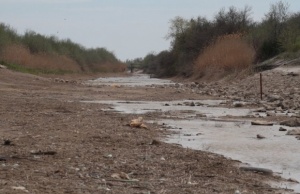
x=18, y=54
x=110, y=67
x=229, y=53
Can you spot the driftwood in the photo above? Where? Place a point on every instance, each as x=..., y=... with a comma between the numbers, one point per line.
x=258, y=170
x=263, y=123
x=43, y=153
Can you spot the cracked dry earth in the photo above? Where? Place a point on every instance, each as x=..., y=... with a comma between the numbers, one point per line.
x=51, y=142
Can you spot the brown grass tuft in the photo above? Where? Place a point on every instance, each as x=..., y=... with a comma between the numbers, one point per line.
x=229, y=53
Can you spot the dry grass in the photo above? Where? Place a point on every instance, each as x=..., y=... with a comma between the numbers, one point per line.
x=18, y=54
x=110, y=67
x=228, y=54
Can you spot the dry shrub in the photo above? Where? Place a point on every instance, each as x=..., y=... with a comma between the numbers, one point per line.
x=18, y=54
x=228, y=54
x=110, y=67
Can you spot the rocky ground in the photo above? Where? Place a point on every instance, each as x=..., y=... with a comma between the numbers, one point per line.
x=281, y=91
x=53, y=143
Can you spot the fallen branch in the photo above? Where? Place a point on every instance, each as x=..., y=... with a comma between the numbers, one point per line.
x=259, y=170
x=44, y=153
x=122, y=180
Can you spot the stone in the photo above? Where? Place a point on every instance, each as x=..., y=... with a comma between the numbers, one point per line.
x=291, y=123
x=258, y=136
x=293, y=74
x=260, y=110
x=271, y=114
x=238, y=104
x=273, y=98
x=282, y=129
x=293, y=132
x=3, y=67
x=263, y=123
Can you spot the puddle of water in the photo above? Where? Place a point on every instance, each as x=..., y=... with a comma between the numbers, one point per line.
x=135, y=80
x=234, y=139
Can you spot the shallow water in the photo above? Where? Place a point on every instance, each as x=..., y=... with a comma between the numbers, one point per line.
x=238, y=141
x=183, y=109
x=135, y=80
x=233, y=139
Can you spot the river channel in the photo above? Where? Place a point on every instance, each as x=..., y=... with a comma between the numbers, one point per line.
x=204, y=126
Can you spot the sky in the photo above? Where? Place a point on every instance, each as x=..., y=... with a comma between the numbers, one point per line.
x=128, y=28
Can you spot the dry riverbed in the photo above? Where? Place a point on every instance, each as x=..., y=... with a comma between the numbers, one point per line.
x=52, y=142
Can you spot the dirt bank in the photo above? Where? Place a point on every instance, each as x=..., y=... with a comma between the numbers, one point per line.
x=53, y=143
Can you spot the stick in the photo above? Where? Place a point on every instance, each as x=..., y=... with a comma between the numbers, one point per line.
x=261, y=89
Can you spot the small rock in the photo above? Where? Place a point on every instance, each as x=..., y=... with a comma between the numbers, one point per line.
x=270, y=114
x=260, y=136
x=7, y=142
x=155, y=142
x=237, y=192
x=20, y=188
x=199, y=104
x=238, y=104
x=200, y=115
x=269, y=107
x=273, y=98
x=136, y=122
x=120, y=176
x=293, y=132
x=293, y=74
x=3, y=67
x=282, y=129
x=291, y=123
x=260, y=110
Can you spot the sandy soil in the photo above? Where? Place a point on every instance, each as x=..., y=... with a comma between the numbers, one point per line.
x=53, y=143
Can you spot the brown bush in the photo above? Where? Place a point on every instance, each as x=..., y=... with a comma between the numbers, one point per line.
x=18, y=54
x=110, y=67
x=229, y=53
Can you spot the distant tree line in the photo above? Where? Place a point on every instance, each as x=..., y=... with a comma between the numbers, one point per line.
x=88, y=60
x=278, y=32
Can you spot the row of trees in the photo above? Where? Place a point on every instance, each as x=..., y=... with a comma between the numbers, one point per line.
x=87, y=59
x=279, y=31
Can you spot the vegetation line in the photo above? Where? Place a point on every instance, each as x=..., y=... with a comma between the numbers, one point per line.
x=231, y=42
x=35, y=53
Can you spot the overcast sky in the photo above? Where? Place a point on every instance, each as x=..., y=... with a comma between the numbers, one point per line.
x=129, y=28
